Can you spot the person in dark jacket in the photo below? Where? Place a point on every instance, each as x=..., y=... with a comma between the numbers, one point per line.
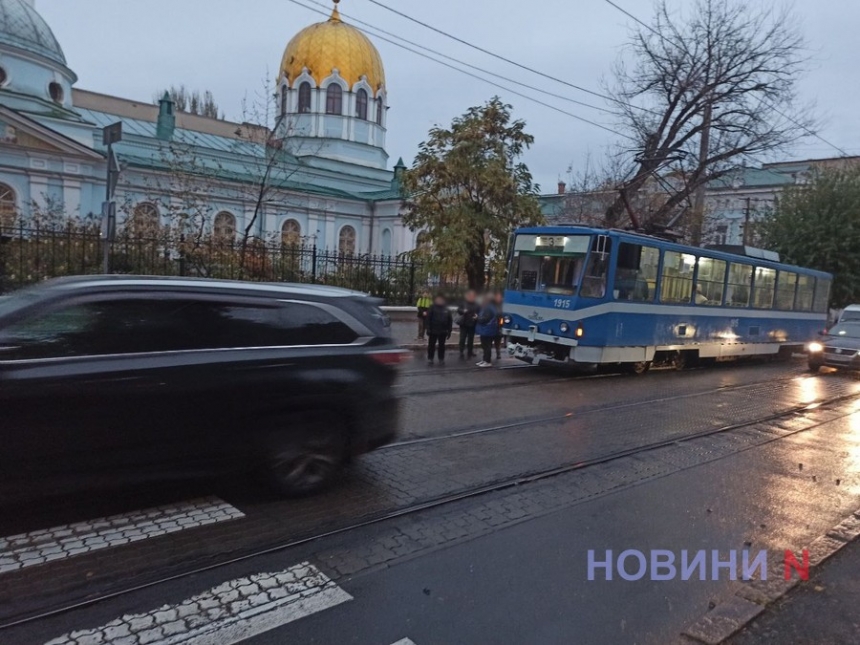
x=467, y=318
x=487, y=328
x=498, y=300
x=440, y=323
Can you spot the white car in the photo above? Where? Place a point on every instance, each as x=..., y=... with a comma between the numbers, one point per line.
x=851, y=313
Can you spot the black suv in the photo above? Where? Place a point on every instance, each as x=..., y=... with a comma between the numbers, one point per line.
x=108, y=376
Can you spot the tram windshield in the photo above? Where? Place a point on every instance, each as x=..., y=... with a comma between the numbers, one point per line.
x=552, y=264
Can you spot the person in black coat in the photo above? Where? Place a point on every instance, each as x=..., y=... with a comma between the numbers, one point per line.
x=440, y=323
x=467, y=318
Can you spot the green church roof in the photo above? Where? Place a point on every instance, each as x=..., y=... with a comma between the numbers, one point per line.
x=22, y=27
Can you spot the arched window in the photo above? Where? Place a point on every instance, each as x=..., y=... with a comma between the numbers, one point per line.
x=386, y=241
x=334, y=99
x=8, y=205
x=346, y=241
x=379, y=110
x=144, y=221
x=361, y=105
x=291, y=233
x=283, y=100
x=304, y=98
x=225, y=227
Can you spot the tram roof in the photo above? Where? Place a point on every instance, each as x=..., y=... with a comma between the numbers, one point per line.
x=662, y=243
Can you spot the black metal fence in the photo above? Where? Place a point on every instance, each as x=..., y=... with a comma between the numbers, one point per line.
x=29, y=255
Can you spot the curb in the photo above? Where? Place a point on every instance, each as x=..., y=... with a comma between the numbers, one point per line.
x=728, y=618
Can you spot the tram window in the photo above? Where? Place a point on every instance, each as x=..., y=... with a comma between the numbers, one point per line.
x=786, y=285
x=560, y=275
x=711, y=282
x=805, y=291
x=594, y=280
x=822, y=295
x=677, y=282
x=636, y=272
x=554, y=274
x=738, y=287
x=763, y=290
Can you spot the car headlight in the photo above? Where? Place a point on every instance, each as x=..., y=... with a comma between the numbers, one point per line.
x=507, y=320
x=816, y=347
x=564, y=327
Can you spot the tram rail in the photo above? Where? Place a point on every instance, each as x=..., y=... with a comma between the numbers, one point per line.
x=428, y=504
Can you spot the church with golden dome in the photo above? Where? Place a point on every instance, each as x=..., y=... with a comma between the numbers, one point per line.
x=317, y=172
x=333, y=82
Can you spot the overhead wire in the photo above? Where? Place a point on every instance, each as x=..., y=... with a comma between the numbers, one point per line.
x=480, y=78
x=466, y=64
x=488, y=52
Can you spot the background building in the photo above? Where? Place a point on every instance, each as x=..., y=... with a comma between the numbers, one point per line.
x=312, y=167
x=733, y=204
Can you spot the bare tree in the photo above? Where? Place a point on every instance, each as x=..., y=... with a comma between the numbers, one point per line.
x=268, y=172
x=191, y=101
x=707, y=91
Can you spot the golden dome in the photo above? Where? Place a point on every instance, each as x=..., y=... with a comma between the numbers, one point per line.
x=333, y=44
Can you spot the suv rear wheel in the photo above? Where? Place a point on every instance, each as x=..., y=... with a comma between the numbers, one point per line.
x=307, y=455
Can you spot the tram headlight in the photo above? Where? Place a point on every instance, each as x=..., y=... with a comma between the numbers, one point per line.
x=580, y=332
x=506, y=320
x=564, y=327
x=816, y=347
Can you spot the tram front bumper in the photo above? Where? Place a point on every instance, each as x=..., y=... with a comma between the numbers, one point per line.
x=533, y=355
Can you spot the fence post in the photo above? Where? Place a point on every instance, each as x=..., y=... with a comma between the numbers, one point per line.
x=314, y=264
x=412, y=282
x=3, y=241
x=182, y=259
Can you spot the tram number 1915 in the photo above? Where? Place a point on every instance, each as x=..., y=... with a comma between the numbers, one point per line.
x=561, y=303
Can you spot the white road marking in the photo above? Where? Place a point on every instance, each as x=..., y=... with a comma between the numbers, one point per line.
x=404, y=641
x=229, y=613
x=38, y=547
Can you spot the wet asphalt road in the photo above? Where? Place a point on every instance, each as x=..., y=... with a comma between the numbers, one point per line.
x=508, y=566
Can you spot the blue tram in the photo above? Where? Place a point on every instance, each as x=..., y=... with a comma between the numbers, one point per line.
x=589, y=297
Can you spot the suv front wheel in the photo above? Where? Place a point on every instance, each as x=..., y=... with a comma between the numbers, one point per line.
x=307, y=455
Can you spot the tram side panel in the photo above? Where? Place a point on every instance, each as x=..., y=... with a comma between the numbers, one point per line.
x=606, y=333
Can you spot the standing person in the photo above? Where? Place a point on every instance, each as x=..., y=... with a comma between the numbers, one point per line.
x=467, y=319
x=440, y=322
x=424, y=303
x=487, y=328
x=498, y=300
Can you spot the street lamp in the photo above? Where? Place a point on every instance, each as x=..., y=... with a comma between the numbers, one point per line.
x=110, y=135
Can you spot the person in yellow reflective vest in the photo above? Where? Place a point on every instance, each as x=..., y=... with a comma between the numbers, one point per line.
x=424, y=303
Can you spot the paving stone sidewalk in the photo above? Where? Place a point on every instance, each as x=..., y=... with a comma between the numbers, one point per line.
x=825, y=610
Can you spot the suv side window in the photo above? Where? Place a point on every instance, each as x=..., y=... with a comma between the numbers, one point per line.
x=276, y=325
x=99, y=328
x=142, y=325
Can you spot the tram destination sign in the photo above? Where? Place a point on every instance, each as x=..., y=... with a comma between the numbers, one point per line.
x=553, y=243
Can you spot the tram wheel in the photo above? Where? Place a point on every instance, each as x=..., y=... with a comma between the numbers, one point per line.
x=638, y=368
x=684, y=360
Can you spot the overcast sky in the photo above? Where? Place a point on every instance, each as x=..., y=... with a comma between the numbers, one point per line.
x=131, y=48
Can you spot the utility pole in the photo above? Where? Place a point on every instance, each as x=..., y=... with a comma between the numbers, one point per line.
x=747, y=216
x=110, y=135
x=698, y=222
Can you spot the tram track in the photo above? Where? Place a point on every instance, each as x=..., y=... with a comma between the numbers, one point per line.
x=561, y=416
x=497, y=485
x=552, y=377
